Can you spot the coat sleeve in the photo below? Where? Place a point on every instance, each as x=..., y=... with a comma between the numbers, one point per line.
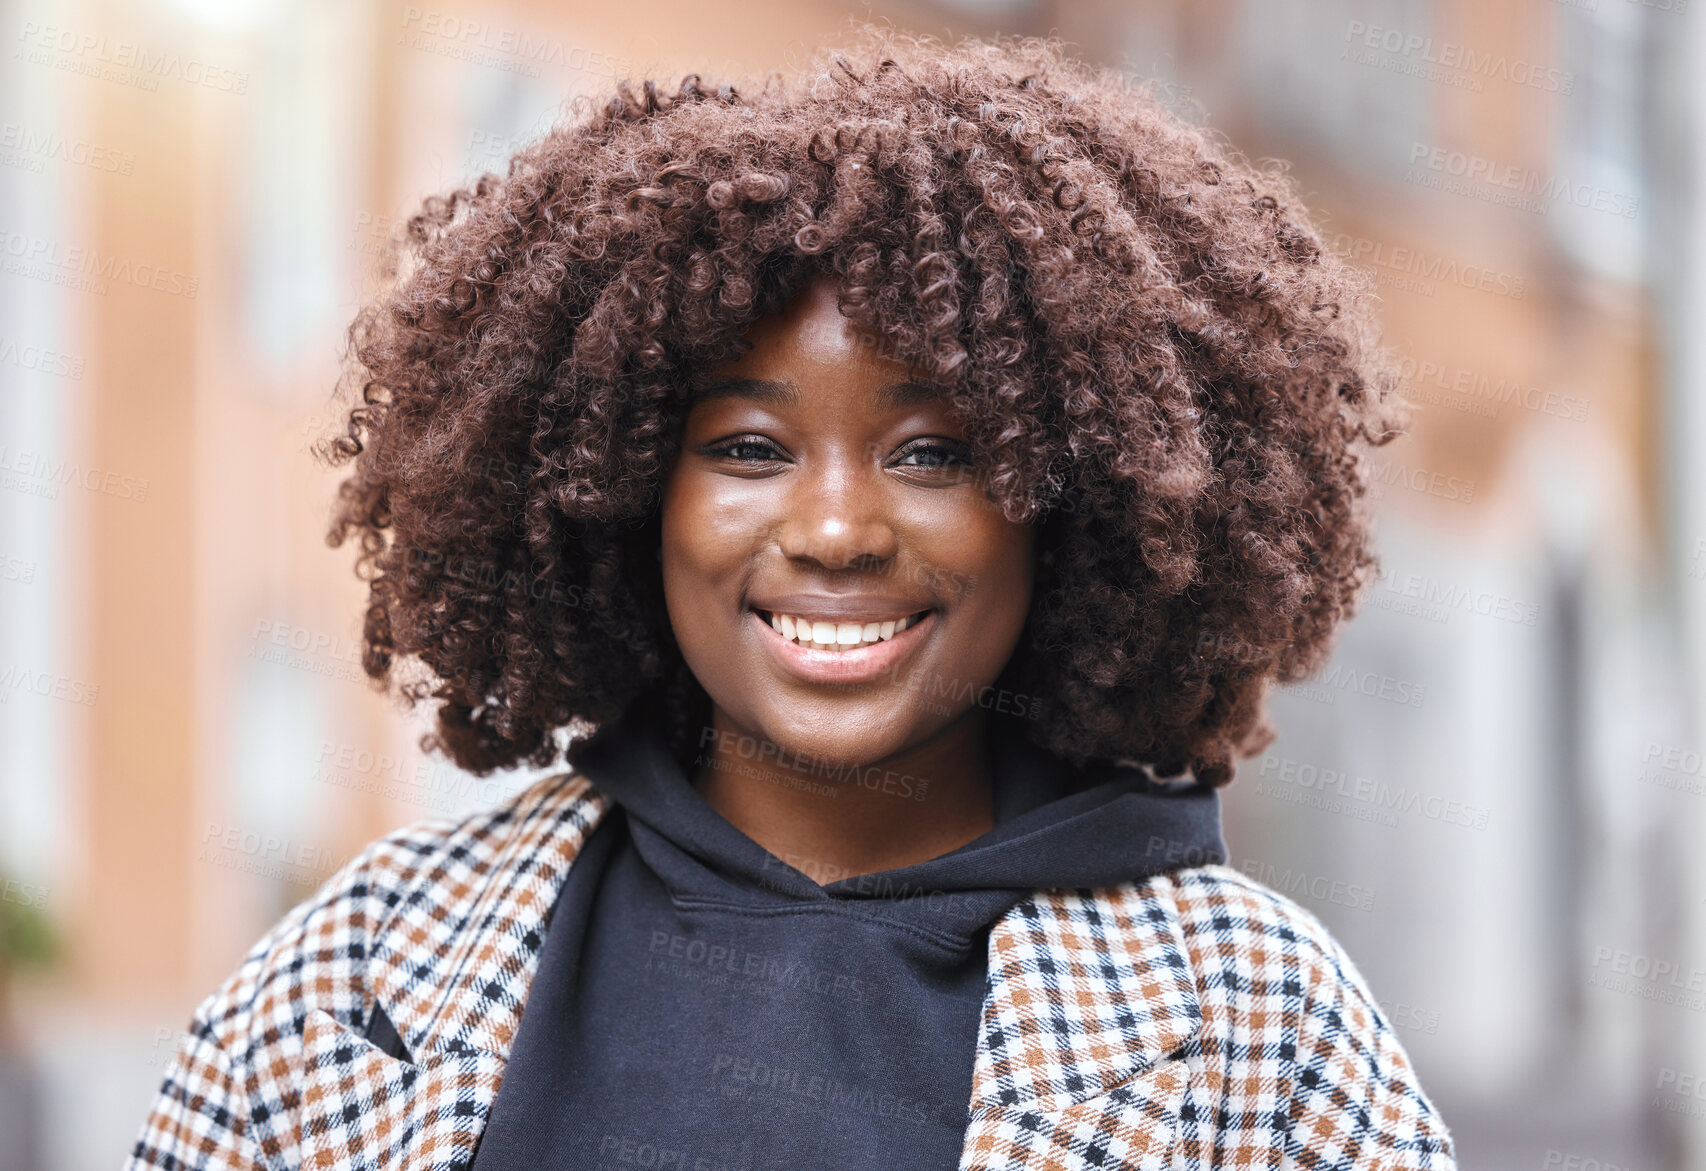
x=199, y=1120
x=239, y=1049
x=232, y=1096
x=1356, y=1101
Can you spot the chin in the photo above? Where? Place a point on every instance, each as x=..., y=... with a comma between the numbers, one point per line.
x=838, y=740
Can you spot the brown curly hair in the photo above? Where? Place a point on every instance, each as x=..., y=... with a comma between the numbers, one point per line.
x=1157, y=362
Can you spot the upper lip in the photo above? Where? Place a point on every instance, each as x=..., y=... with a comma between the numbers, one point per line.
x=847, y=607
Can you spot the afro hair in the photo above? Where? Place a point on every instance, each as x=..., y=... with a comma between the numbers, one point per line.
x=1157, y=361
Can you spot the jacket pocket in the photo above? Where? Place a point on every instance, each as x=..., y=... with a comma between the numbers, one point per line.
x=1134, y=1125
x=366, y=1110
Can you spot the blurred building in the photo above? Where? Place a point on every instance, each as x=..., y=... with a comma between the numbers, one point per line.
x=1491, y=796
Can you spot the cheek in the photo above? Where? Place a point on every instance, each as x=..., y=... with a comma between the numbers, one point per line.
x=684, y=547
x=705, y=539
x=1002, y=564
x=1008, y=599
x=985, y=567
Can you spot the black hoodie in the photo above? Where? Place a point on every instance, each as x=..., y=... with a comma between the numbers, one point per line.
x=701, y=1006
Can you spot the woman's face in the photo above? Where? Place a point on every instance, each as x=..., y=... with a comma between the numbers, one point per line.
x=817, y=483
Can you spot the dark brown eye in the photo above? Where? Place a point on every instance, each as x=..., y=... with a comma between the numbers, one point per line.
x=934, y=454
x=744, y=449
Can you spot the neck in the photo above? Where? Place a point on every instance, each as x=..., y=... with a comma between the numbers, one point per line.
x=832, y=822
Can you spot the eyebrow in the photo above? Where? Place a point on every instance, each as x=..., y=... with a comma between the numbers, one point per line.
x=774, y=393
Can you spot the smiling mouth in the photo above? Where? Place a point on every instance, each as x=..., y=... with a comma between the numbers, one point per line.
x=826, y=635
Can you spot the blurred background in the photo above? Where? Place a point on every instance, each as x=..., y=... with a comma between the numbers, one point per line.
x=1494, y=796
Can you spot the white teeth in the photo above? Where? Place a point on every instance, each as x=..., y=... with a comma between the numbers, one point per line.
x=836, y=635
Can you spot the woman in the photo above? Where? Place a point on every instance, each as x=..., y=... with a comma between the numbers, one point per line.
x=899, y=489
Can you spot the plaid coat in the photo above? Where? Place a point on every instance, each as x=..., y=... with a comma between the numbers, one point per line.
x=1192, y=1020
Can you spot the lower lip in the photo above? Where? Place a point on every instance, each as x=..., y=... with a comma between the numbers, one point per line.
x=855, y=666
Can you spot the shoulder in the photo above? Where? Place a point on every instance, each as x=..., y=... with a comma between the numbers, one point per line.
x=414, y=881
x=1285, y=1009
x=423, y=892
x=1230, y=927
x=1230, y=921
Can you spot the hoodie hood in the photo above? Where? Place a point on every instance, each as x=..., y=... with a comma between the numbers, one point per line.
x=1056, y=828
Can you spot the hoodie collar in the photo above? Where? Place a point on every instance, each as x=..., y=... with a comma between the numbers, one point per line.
x=1057, y=827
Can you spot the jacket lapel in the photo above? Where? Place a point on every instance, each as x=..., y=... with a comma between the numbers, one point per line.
x=454, y=985
x=1084, y=1056
x=363, y=1109
x=473, y=996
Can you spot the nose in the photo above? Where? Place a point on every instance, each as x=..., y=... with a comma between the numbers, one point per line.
x=839, y=519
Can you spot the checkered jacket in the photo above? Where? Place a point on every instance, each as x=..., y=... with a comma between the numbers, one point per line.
x=1192, y=1020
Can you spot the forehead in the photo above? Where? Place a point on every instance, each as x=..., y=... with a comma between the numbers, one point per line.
x=811, y=333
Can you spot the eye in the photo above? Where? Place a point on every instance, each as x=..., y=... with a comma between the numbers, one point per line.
x=934, y=454
x=744, y=449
